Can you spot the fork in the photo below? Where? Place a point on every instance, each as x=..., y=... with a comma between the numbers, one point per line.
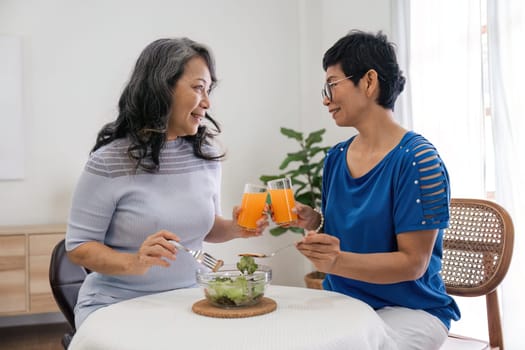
x=261, y=255
x=201, y=257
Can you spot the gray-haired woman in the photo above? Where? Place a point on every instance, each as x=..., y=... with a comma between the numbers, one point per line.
x=153, y=175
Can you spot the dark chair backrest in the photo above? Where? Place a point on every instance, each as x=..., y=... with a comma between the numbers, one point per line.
x=65, y=279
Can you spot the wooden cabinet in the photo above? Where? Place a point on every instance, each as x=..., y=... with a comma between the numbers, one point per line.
x=12, y=274
x=40, y=248
x=25, y=253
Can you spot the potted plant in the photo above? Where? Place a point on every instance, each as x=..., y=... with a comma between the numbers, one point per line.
x=304, y=167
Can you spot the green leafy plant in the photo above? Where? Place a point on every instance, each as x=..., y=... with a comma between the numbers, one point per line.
x=304, y=167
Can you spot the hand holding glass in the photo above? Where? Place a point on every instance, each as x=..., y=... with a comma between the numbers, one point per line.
x=252, y=206
x=283, y=201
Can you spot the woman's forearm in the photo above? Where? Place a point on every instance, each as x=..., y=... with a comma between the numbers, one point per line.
x=379, y=268
x=408, y=263
x=98, y=257
x=223, y=230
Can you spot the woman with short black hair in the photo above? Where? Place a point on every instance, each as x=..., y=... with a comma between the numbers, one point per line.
x=385, y=200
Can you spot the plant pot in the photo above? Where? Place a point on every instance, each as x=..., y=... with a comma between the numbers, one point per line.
x=314, y=280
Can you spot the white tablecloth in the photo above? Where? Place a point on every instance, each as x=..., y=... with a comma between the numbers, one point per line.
x=304, y=319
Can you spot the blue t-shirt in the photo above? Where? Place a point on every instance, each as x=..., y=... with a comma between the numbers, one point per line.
x=367, y=213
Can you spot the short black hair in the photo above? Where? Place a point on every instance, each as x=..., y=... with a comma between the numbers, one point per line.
x=358, y=52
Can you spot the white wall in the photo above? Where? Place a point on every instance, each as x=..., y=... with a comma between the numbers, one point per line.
x=77, y=56
x=323, y=23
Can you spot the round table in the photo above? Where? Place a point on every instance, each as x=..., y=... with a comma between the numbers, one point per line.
x=304, y=319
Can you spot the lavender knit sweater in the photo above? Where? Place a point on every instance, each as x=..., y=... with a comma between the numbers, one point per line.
x=119, y=207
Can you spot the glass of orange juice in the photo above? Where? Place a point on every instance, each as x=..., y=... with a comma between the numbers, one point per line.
x=283, y=201
x=252, y=206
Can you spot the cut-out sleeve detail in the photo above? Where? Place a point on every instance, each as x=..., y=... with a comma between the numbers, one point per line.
x=424, y=192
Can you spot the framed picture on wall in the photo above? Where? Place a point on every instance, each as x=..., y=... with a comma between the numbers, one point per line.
x=11, y=109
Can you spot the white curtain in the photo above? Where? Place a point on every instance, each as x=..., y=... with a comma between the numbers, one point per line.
x=506, y=28
x=446, y=101
x=445, y=75
x=444, y=61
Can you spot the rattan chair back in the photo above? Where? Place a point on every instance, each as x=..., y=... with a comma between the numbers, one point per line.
x=477, y=250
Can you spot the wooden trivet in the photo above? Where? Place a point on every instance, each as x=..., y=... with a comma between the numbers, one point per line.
x=203, y=307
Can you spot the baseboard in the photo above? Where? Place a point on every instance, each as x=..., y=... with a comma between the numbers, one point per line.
x=26, y=320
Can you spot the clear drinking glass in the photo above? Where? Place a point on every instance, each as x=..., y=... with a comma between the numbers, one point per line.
x=281, y=194
x=252, y=206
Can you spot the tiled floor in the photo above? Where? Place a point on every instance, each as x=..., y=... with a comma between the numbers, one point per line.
x=34, y=337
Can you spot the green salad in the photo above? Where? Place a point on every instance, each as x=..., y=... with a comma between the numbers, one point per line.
x=247, y=265
x=240, y=289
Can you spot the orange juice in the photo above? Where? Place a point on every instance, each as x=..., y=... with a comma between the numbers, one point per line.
x=282, y=204
x=252, y=209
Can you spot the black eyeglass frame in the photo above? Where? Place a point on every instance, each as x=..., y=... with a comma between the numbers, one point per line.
x=326, y=91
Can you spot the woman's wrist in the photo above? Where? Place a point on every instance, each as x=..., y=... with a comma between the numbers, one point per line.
x=321, y=220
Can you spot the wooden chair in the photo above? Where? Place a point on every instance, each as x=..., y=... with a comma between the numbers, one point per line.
x=477, y=250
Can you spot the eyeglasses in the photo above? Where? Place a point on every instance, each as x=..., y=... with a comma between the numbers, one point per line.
x=326, y=92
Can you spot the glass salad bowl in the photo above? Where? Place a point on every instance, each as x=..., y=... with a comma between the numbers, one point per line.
x=230, y=288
